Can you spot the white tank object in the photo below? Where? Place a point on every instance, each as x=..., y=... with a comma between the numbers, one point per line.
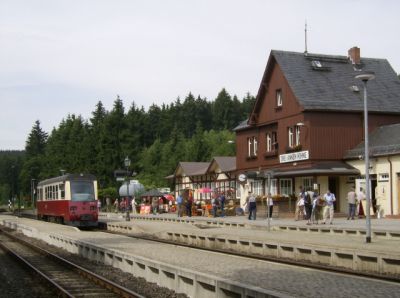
x=134, y=187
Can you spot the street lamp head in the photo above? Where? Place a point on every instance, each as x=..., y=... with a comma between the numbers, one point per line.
x=366, y=76
x=300, y=124
x=127, y=162
x=231, y=142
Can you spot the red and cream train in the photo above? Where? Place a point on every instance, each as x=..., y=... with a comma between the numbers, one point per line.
x=69, y=199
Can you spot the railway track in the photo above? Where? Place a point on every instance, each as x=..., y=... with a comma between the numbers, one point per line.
x=309, y=265
x=66, y=278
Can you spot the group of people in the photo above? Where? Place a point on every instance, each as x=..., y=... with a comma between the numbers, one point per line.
x=184, y=204
x=313, y=207
x=251, y=206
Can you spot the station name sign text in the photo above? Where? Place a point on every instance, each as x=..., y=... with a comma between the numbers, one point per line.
x=302, y=155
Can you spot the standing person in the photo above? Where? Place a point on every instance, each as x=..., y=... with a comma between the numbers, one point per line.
x=154, y=205
x=189, y=204
x=116, y=205
x=352, y=200
x=361, y=200
x=222, y=204
x=99, y=205
x=329, y=199
x=179, y=202
x=108, y=204
x=252, y=207
x=133, y=203
x=308, y=205
x=270, y=205
x=215, y=204
x=299, y=213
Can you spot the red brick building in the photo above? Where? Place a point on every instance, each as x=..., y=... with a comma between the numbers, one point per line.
x=308, y=113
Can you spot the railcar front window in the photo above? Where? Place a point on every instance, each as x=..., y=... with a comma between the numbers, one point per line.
x=82, y=191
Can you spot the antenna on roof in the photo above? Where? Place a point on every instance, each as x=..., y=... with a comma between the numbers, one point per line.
x=305, y=38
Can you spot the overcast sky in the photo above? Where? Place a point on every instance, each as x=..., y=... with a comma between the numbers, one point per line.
x=62, y=57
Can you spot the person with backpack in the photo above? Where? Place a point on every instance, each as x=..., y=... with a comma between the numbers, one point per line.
x=222, y=204
x=179, y=202
x=215, y=205
x=308, y=205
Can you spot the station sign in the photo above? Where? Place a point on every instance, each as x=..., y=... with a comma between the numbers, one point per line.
x=295, y=156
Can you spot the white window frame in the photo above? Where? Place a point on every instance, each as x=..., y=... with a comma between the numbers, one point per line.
x=278, y=95
x=257, y=187
x=255, y=146
x=308, y=183
x=249, y=145
x=290, y=137
x=274, y=186
x=297, y=135
x=285, y=185
x=269, y=142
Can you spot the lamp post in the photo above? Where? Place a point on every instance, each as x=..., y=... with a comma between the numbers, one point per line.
x=269, y=174
x=33, y=192
x=127, y=163
x=365, y=77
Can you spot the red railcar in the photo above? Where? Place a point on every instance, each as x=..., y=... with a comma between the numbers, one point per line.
x=69, y=199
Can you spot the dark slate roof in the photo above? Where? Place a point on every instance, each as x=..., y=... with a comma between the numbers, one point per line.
x=329, y=87
x=242, y=125
x=384, y=140
x=226, y=163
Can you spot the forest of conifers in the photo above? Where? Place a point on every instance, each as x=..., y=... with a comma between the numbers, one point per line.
x=155, y=140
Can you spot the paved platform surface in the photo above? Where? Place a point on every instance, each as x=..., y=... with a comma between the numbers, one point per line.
x=257, y=230
x=289, y=280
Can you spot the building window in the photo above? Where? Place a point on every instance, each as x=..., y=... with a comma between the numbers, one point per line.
x=269, y=142
x=384, y=177
x=257, y=187
x=290, y=137
x=274, y=187
x=252, y=146
x=285, y=186
x=249, y=146
x=308, y=183
x=255, y=146
x=297, y=135
x=279, y=98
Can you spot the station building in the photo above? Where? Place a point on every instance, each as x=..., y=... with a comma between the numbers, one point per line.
x=306, y=121
x=218, y=175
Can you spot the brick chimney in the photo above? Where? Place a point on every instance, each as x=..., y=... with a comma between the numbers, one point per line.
x=354, y=55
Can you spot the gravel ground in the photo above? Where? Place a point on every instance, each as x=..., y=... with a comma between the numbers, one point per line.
x=138, y=285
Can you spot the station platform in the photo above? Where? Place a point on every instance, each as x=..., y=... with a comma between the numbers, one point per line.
x=341, y=244
x=205, y=274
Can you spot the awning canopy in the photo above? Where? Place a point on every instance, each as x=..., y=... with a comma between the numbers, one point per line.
x=318, y=169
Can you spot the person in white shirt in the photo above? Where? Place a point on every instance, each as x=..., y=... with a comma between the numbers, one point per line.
x=329, y=208
x=270, y=205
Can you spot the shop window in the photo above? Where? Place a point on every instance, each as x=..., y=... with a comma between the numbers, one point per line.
x=285, y=186
x=308, y=183
x=257, y=187
x=274, y=187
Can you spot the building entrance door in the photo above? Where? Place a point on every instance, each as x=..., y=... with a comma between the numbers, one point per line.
x=333, y=184
x=398, y=194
